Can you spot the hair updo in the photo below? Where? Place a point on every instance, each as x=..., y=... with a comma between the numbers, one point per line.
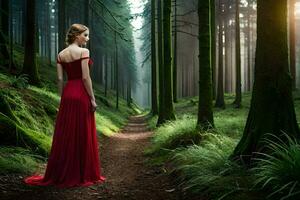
x=73, y=31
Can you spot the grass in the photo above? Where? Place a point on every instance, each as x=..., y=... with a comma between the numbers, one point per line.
x=202, y=167
x=279, y=172
x=18, y=160
x=174, y=134
x=206, y=168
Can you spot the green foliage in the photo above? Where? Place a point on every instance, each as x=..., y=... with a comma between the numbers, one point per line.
x=34, y=109
x=13, y=134
x=17, y=160
x=174, y=134
x=152, y=122
x=109, y=122
x=279, y=171
x=20, y=81
x=205, y=168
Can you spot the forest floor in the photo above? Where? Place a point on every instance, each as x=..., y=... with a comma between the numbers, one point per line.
x=128, y=176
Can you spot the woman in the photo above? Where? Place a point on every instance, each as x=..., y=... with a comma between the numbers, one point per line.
x=73, y=159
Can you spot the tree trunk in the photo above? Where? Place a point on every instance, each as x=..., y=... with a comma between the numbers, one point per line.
x=272, y=107
x=160, y=59
x=29, y=65
x=129, y=90
x=292, y=42
x=227, y=53
x=12, y=67
x=220, y=90
x=112, y=79
x=106, y=74
x=49, y=35
x=117, y=72
x=248, y=48
x=4, y=36
x=167, y=113
x=238, y=90
x=205, y=113
x=87, y=16
x=175, y=55
x=213, y=45
x=154, y=106
x=23, y=22
x=4, y=28
x=61, y=24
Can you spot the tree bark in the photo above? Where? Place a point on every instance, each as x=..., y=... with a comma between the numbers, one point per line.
x=205, y=113
x=220, y=90
x=292, y=32
x=238, y=90
x=61, y=24
x=117, y=71
x=248, y=48
x=4, y=36
x=213, y=45
x=160, y=59
x=154, y=106
x=175, y=55
x=86, y=16
x=4, y=28
x=167, y=113
x=272, y=107
x=29, y=65
x=106, y=75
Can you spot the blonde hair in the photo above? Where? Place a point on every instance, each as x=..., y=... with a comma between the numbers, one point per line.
x=73, y=31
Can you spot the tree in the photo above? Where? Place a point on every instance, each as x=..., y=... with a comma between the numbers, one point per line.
x=61, y=24
x=238, y=89
x=213, y=44
x=160, y=57
x=205, y=114
x=86, y=19
x=272, y=108
x=153, y=62
x=5, y=16
x=175, y=54
x=166, y=110
x=220, y=89
x=4, y=5
x=29, y=65
x=117, y=70
x=292, y=41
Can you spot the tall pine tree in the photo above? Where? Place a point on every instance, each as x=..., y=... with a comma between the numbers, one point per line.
x=205, y=114
x=272, y=108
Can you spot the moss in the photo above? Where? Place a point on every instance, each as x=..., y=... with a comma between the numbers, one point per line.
x=12, y=134
x=18, y=160
x=5, y=107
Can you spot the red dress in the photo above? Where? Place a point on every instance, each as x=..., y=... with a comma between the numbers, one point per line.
x=73, y=159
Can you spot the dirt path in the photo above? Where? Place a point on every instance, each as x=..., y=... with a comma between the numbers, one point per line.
x=123, y=165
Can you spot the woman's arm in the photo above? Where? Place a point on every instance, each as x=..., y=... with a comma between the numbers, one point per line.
x=60, y=80
x=86, y=74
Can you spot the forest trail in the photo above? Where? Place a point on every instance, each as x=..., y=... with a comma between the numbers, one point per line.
x=123, y=165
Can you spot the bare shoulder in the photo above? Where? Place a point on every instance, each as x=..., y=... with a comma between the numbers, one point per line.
x=85, y=52
x=85, y=49
x=62, y=52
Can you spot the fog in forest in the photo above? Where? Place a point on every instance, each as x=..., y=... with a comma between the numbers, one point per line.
x=187, y=48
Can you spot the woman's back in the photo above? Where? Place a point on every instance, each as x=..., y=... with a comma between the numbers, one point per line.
x=71, y=53
x=72, y=60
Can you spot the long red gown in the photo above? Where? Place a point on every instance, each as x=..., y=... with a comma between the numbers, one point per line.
x=73, y=159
